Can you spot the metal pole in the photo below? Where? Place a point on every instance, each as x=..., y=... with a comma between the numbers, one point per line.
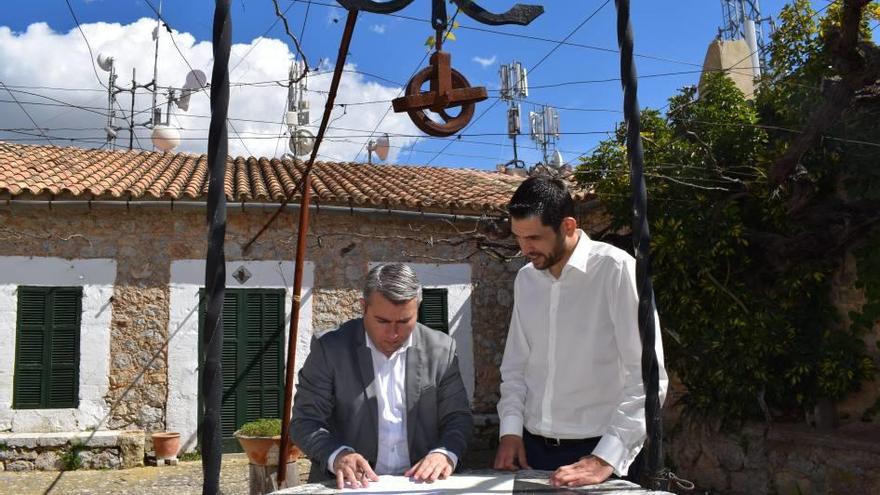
x=301, y=250
x=111, y=111
x=641, y=237
x=155, y=88
x=131, y=114
x=215, y=266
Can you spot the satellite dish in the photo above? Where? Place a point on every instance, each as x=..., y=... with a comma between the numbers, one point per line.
x=381, y=147
x=195, y=81
x=105, y=62
x=556, y=160
x=302, y=142
x=165, y=138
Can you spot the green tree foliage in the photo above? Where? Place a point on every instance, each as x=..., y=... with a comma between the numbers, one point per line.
x=743, y=284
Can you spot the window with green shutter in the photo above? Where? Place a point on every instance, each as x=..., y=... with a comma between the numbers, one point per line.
x=434, y=310
x=252, y=358
x=47, y=348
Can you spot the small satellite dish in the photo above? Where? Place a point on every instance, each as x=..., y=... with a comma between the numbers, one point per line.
x=195, y=81
x=165, y=138
x=302, y=142
x=105, y=62
x=556, y=160
x=381, y=147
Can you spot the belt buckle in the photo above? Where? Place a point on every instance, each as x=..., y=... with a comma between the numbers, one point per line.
x=554, y=442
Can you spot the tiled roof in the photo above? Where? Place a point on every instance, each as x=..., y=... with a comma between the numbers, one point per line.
x=36, y=170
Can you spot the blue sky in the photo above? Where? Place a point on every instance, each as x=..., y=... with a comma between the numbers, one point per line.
x=671, y=34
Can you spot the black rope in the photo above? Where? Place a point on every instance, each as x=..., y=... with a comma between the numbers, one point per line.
x=215, y=266
x=641, y=244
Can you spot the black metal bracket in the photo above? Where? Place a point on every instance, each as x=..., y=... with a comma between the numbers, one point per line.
x=518, y=14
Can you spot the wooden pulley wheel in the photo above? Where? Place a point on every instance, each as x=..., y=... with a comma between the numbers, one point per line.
x=448, y=89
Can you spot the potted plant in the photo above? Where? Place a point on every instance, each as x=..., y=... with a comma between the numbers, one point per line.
x=261, y=441
x=166, y=444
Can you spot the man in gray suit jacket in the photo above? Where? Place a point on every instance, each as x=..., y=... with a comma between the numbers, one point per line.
x=383, y=393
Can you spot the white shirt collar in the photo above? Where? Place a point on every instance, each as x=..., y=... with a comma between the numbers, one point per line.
x=578, y=258
x=406, y=345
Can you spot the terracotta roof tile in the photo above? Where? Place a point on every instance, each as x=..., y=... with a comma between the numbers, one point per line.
x=37, y=169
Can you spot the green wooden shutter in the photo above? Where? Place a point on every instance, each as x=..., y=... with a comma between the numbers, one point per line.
x=263, y=326
x=47, y=348
x=252, y=360
x=434, y=310
x=230, y=360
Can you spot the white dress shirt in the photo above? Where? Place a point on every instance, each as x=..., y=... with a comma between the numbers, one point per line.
x=389, y=373
x=572, y=363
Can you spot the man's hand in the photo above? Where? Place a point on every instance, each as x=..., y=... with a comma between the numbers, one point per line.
x=511, y=454
x=590, y=470
x=432, y=467
x=353, y=469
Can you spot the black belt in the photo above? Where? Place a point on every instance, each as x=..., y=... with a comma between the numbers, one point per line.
x=559, y=442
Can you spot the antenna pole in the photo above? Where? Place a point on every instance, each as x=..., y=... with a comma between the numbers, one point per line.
x=131, y=114
x=168, y=110
x=111, y=111
x=155, y=87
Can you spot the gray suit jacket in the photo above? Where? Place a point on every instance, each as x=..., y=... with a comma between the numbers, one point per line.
x=336, y=405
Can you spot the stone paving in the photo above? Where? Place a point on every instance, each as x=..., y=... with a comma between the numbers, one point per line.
x=183, y=479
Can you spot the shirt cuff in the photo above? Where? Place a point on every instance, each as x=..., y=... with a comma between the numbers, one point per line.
x=332, y=458
x=611, y=450
x=452, y=457
x=510, y=425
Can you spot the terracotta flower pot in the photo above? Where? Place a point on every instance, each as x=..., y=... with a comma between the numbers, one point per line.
x=263, y=451
x=166, y=444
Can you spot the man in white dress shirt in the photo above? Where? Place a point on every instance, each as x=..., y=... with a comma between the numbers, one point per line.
x=572, y=397
x=382, y=394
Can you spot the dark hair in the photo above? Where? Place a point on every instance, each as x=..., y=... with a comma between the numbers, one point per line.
x=542, y=196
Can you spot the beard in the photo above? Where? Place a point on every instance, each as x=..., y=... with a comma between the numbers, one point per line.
x=543, y=261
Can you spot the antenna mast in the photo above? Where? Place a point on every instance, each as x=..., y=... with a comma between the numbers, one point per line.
x=514, y=87
x=301, y=141
x=741, y=19
x=155, y=110
x=544, y=130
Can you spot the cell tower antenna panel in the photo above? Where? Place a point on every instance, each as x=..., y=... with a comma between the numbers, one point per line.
x=513, y=127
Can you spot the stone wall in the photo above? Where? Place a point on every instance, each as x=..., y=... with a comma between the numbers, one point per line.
x=785, y=459
x=144, y=242
x=56, y=452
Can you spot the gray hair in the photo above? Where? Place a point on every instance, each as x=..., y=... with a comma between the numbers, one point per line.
x=397, y=282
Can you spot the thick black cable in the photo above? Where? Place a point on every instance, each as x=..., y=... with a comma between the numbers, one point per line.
x=641, y=236
x=215, y=266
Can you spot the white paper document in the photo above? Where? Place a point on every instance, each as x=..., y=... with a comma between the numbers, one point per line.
x=482, y=485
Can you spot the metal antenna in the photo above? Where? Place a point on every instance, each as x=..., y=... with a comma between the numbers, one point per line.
x=544, y=131
x=301, y=140
x=106, y=63
x=514, y=87
x=156, y=111
x=741, y=19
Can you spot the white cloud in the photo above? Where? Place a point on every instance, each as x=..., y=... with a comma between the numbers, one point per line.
x=485, y=62
x=378, y=28
x=42, y=57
